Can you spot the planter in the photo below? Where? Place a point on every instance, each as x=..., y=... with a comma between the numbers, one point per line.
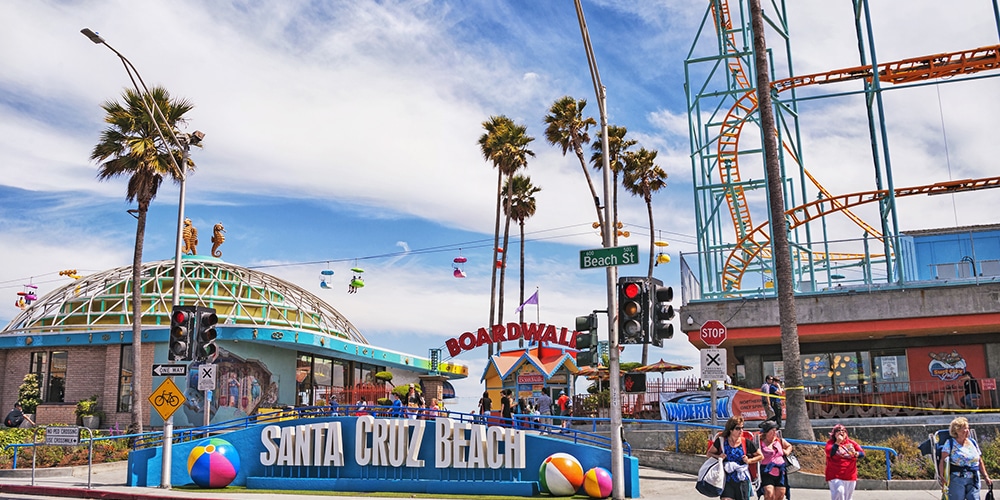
x=91, y=421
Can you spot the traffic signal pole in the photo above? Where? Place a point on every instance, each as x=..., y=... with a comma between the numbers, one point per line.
x=607, y=231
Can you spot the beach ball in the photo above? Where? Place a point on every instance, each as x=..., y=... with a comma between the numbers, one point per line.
x=560, y=474
x=213, y=463
x=597, y=483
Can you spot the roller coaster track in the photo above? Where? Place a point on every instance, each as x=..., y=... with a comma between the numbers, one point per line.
x=903, y=71
x=749, y=247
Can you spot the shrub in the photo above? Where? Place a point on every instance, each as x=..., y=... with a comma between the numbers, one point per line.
x=28, y=394
x=695, y=442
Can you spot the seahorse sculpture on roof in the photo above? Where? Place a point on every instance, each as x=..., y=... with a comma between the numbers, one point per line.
x=190, y=237
x=218, y=238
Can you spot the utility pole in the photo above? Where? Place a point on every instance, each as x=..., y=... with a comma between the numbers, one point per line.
x=607, y=231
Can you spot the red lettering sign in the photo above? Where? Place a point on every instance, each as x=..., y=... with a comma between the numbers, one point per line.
x=531, y=332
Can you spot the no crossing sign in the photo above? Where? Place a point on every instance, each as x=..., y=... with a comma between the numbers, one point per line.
x=713, y=333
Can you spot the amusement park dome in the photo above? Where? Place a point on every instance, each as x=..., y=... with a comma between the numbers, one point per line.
x=241, y=297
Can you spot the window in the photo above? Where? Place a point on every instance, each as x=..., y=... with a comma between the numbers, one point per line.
x=125, y=380
x=50, y=367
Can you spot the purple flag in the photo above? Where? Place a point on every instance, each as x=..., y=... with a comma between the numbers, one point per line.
x=531, y=300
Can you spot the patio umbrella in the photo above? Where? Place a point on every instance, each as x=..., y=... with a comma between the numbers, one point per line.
x=662, y=367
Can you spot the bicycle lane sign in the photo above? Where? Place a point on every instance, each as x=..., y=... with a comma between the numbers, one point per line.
x=167, y=398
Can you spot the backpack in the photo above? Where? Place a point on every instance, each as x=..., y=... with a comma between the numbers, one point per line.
x=14, y=419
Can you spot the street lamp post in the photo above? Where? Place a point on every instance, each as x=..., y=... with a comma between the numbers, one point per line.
x=614, y=362
x=184, y=142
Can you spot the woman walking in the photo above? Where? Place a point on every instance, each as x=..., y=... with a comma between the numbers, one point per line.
x=774, y=449
x=842, y=456
x=961, y=463
x=738, y=454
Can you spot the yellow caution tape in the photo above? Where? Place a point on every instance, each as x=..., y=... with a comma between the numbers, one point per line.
x=873, y=405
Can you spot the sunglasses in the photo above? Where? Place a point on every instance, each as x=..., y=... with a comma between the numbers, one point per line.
x=740, y=428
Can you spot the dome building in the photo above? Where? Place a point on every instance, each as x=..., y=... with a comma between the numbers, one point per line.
x=278, y=345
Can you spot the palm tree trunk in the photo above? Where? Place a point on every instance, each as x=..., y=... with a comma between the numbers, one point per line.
x=797, y=424
x=137, y=368
x=586, y=173
x=503, y=258
x=496, y=244
x=520, y=319
x=649, y=275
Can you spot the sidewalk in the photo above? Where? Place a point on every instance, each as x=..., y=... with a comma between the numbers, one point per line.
x=108, y=481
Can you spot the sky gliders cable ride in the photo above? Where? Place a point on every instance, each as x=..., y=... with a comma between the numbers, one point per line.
x=458, y=264
x=356, y=281
x=326, y=279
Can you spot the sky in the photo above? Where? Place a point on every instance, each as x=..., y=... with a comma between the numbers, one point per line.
x=343, y=134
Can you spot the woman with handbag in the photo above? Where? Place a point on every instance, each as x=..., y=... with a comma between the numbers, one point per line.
x=773, y=472
x=842, y=455
x=738, y=454
x=961, y=464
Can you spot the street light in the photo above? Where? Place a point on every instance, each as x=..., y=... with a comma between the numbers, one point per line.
x=184, y=142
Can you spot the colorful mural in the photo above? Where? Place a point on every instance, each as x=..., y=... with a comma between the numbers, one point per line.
x=945, y=363
x=242, y=386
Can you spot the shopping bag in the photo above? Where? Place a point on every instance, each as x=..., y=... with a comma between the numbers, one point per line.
x=711, y=478
x=792, y=464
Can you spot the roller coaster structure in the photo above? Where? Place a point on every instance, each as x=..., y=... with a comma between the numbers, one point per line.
x=719, y=107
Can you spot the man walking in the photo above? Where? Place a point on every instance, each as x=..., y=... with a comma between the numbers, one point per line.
x=765, y=401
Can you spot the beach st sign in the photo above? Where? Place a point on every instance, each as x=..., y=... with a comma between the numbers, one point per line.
x=607, y=257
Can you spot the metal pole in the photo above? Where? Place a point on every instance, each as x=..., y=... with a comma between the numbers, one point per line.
x=90, y=456
x=607, y=230
x=166, y=462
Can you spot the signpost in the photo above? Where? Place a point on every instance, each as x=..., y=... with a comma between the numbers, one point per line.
x=206, y=378
x=167, y=398
x=713, y=333
x=713, y=364
x=62, y=436
x=169, y=370
x=609, y=257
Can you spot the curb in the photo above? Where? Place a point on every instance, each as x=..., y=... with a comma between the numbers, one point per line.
x=57, y=491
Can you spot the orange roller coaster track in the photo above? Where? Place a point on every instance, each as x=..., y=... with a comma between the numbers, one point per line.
x=904, y=71
x=750, y=247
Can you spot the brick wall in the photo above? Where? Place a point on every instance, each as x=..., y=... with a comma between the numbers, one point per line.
x=56, y=413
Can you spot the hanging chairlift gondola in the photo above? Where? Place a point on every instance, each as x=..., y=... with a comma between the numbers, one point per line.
x=326, y=279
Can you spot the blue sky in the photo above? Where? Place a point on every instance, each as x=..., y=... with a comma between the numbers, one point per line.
x=342, y=130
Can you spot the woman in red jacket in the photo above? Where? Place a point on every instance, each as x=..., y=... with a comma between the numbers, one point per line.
x=842, y=455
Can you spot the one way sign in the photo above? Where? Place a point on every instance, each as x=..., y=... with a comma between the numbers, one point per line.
x=713, y=364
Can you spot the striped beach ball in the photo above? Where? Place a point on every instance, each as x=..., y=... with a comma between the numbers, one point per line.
x=597, y=483
x=213, y=463
x=560, y=474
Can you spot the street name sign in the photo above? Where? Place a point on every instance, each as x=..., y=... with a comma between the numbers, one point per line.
x=713, y=364
x=169, y=370
x=206, y=377
x=62, y=436
x=607, y=257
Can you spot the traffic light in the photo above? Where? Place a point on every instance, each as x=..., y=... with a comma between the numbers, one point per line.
x=663, y=312
x=205, y=322
x=181, y=320
x=586, y=340
x=633, y=310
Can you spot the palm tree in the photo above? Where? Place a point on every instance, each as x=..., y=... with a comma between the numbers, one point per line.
x=131, y=147
x=798, y=425
x=643, y=177
x=567, y=128
x=521, y=205
x=505, y=144
x=617, y=147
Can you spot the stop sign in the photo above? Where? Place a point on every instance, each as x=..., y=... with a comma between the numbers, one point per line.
x=713, y=333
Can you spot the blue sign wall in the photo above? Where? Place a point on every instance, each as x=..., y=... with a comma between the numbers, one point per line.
x=367, y=454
